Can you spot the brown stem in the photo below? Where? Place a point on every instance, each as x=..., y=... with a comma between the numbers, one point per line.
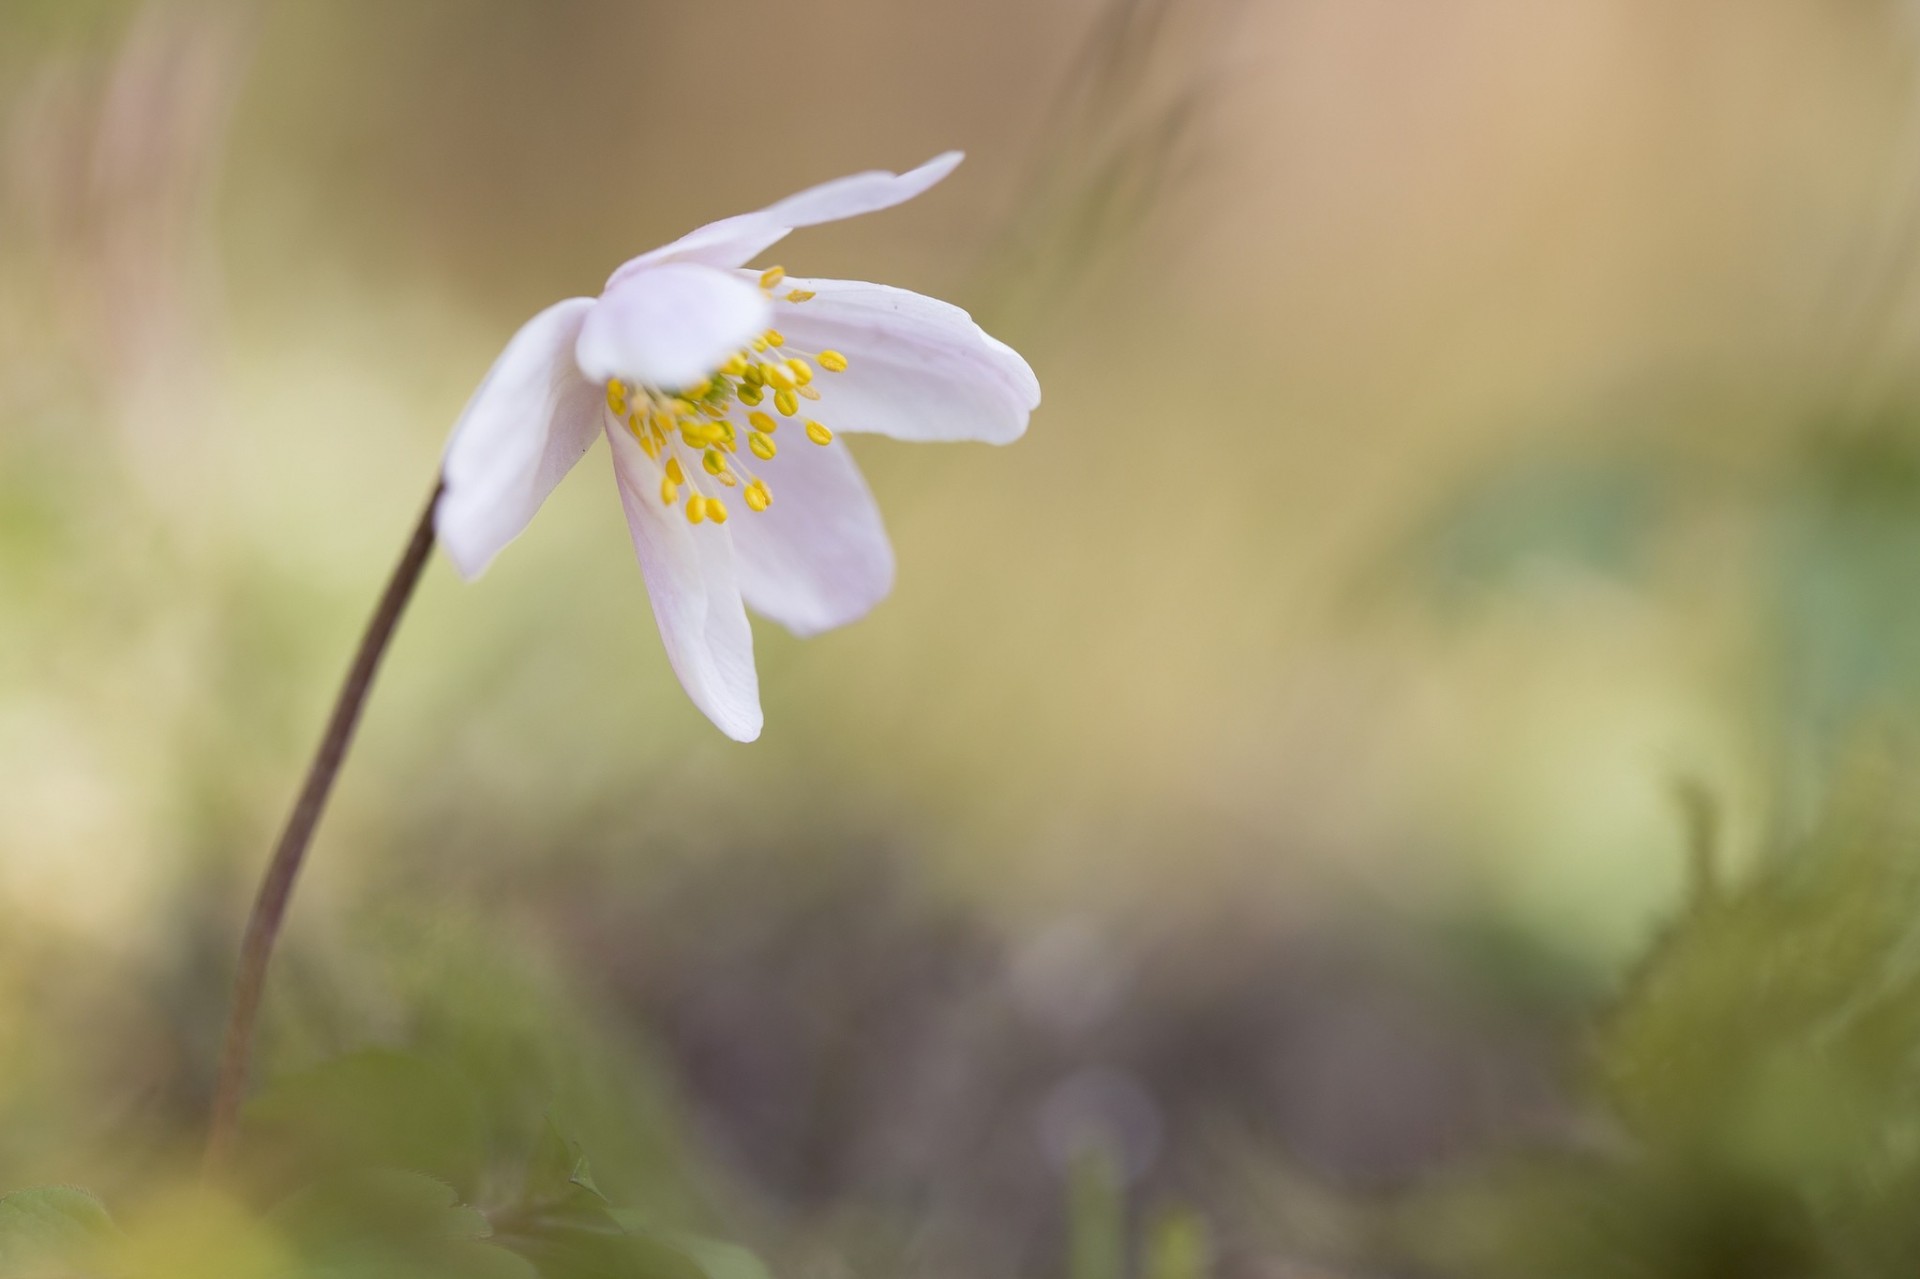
x=270, y=904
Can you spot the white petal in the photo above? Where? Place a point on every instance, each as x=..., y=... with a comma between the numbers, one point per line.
x=530, y=421
x=860, y=193
x=730, y=242
x=819, y=556
x=690, y=579
x=918, y=369
x=736, y=241
x=670, y=326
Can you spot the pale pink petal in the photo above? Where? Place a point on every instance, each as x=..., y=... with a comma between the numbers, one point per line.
x=919, y=369
x=690, y=577
x=530, y=421
x=736, y=241
x=730, y=242
x=819, y=556
x=670, y=326
x=870, y=192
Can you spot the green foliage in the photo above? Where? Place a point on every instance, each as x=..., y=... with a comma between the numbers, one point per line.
x=50, y=1230
x=565, y=1226
x=1754, y=1106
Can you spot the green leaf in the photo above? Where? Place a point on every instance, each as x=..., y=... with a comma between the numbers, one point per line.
x=385, y=1222
x=50, y=1226
x=369, y=1110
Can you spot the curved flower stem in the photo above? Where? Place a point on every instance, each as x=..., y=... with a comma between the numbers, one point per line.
x=270, y=903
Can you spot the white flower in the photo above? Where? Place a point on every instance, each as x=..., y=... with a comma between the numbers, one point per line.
x=722, y=392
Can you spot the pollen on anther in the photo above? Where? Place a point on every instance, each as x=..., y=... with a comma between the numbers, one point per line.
x=696, y=509
x=716, y=510
x=801, y=295
x=762, y=445
x=787, y=402
x=759, y=496
x=832, y=361
x=771, y=277
x=763, y=421
x=818, y=433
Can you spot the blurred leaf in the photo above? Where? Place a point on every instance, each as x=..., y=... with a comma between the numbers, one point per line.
x=1755, y=1097
x=1096, y=1216
x=49, y=1229
x=568, y=1230
x=1177, y=1246
x=1597, y=515
x=392, y=1223
x=369, y=1110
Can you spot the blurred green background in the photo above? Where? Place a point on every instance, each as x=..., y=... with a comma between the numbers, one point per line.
x=1312, y=792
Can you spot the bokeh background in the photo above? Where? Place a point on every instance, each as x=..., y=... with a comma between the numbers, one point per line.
x=1471, y=538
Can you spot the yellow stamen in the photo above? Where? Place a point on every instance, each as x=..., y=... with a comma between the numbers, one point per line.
x=787, y=402
x=617, y=398
x=832, y=361
x=669, y=492
x=759, y=496
x=818, y=433
x=696, y=509
x=755, y=374
x=716, y=510
x=808, y=393
x=802, y=371
x=801, y=295
x=780, y=378
x=763, y=422
x=762, y=445
x=674, y=473
x=714, y=461
x=751, y=395
x=776, y=338
x=771, y=277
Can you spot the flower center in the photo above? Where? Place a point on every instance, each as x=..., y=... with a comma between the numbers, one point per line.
x=698, y=432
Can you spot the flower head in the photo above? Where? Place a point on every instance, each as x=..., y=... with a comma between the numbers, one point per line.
x=723, y=392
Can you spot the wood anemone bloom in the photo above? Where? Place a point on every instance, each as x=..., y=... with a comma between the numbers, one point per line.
x=723, y=393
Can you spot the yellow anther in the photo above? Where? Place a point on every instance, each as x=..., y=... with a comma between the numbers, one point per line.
x=762, y=421
x=800, y=295
x=674, y=474
x=762, y=445
x=696, y=509
x=776, y=338
x=771, y=277
x=751, y=395
x=801, y=370
x=809, y=393
x=669, y=492
x=736, y=365
x=779, y=377
x=714, y=461
x=701, y=389
x=727, y=478
x=754, y=374
x=716, y=510
x=760, y=344
x=818, y=433
x=759, y=496
x=832, y=361
x=787, y=402
x=617, y=398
